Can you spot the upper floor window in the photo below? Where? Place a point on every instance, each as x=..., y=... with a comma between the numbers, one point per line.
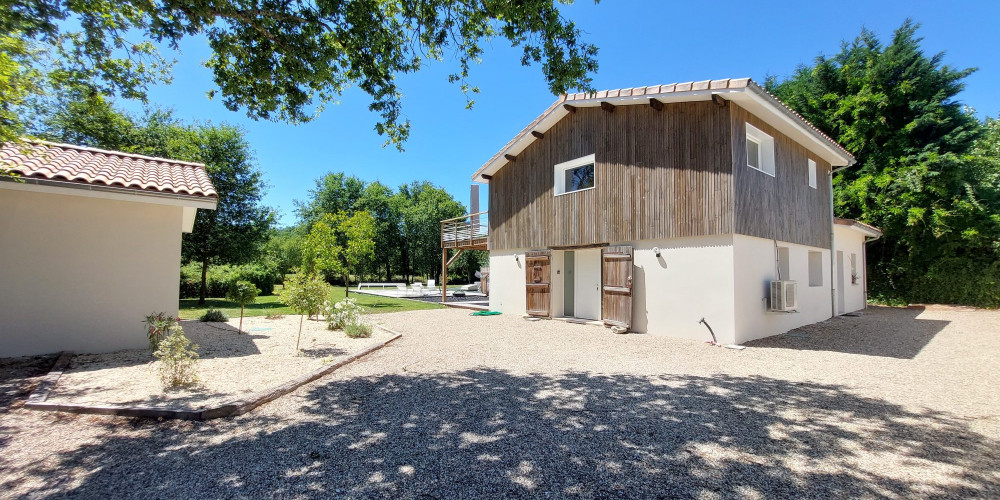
x=574, y=175
x=760, y=150
x=812, y=174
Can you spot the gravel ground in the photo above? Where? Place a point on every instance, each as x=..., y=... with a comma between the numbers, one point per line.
x=232, y=365
x=896, y=403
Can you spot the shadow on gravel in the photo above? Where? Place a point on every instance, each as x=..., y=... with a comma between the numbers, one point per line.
x=889, y=332
x=490, y=434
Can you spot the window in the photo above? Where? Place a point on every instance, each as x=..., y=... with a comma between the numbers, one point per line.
x=784, y=266
x=815, y=268
x=574, y=175
x=812, y=174
x=760, y=150
x=854, y=269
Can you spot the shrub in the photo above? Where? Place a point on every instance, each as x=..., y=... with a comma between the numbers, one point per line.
x=214, y=316
x=343, y=313
x=269, y=314
x=157, y=327
x=219, y=277
x=358, y=330
x=243, y=293
x=178, y=359
x=305, y=294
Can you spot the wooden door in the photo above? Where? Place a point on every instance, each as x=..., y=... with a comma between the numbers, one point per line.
x=537, y=266
x=616, y=299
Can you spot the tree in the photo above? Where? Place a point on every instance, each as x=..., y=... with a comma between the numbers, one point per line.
x=339, y=244
x=377, y=200
x=305, y=294
x=425, y=206
x=287, y=60
x=894, y=109
x=359, y=244
x=242, y=292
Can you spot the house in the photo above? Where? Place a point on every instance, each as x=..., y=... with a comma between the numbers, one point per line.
x=91, y=243
x=685, y=210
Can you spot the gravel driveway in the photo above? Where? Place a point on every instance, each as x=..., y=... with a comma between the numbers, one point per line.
x=897, y=403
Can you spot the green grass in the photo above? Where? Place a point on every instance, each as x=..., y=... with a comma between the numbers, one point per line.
x=189, y=308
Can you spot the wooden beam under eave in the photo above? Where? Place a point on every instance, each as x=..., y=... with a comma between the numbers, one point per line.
x=537, y=134
x=571, y=109
x=657, y=105
x=607, y=106
x=487, y=177
x=719, y=101
x=510, y=158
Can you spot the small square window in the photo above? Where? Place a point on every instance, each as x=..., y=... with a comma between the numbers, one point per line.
x=815, y=268
x=575, y=175
x=760, y=150
x=581, y=177
x=753, y=153
x=812, y=174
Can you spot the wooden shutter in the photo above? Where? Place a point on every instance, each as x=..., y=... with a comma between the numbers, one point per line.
x=616, y=299
x=537, y=266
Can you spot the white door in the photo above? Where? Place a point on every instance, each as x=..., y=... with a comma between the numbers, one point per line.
x=587, y=286
x=840, y=282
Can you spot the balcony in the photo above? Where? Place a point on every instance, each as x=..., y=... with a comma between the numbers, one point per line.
x=468, y=232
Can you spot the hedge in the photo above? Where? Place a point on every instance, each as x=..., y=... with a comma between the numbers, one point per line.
x=220, y=277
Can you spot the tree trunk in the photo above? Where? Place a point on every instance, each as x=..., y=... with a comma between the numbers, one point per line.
x=301, y=317
x=347, y=284
x=204, y=283
x=241, y=318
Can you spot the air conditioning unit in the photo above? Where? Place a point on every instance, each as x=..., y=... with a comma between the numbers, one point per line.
x=784, y=296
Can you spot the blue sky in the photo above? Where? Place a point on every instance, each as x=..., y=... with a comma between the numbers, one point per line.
x=641, y=43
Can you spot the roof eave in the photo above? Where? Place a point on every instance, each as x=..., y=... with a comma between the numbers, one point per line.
x=790, y=122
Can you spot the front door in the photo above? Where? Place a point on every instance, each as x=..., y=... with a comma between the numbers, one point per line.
x=617, y=286
x=587, y=283
x=537, y=267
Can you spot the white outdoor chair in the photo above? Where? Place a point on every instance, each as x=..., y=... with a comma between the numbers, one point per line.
x=418, y=289
x=431, y=285
x=401, y=288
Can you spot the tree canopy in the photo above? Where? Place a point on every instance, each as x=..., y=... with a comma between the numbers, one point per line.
x=924, y=174
x=275, y=59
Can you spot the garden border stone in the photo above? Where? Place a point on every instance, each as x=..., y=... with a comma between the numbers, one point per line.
x=37, y=399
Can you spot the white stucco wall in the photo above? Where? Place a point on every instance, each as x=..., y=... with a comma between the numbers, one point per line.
x=80, y=273
x=692, y=279
x=754, y=269
x=851, y=242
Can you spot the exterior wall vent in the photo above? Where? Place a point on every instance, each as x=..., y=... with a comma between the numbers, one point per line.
x=784, y=296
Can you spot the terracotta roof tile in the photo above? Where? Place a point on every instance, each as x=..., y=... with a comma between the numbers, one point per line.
x=66, y=162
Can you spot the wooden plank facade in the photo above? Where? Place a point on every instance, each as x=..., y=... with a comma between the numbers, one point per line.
x=679, y=171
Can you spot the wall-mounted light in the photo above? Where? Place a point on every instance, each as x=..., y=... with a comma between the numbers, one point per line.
x=517, y=258
x=656, y=251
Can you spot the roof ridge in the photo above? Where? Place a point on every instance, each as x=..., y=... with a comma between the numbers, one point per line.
x=114, y=153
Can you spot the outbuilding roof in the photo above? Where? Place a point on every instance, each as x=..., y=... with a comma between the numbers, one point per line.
x=867, y=229
x=50, y=161
x=743, y=91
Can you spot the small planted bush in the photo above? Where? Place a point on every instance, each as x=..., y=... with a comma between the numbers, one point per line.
x=360, y=330
x=157, y=327
x=243, y=293
x=269, y=314
x=178, y=359
x=343, y=313
x=214, y=316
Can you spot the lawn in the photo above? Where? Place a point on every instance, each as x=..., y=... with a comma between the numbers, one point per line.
x=189, y=308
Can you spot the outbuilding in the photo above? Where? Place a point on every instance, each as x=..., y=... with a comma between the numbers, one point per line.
x=90, y=243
